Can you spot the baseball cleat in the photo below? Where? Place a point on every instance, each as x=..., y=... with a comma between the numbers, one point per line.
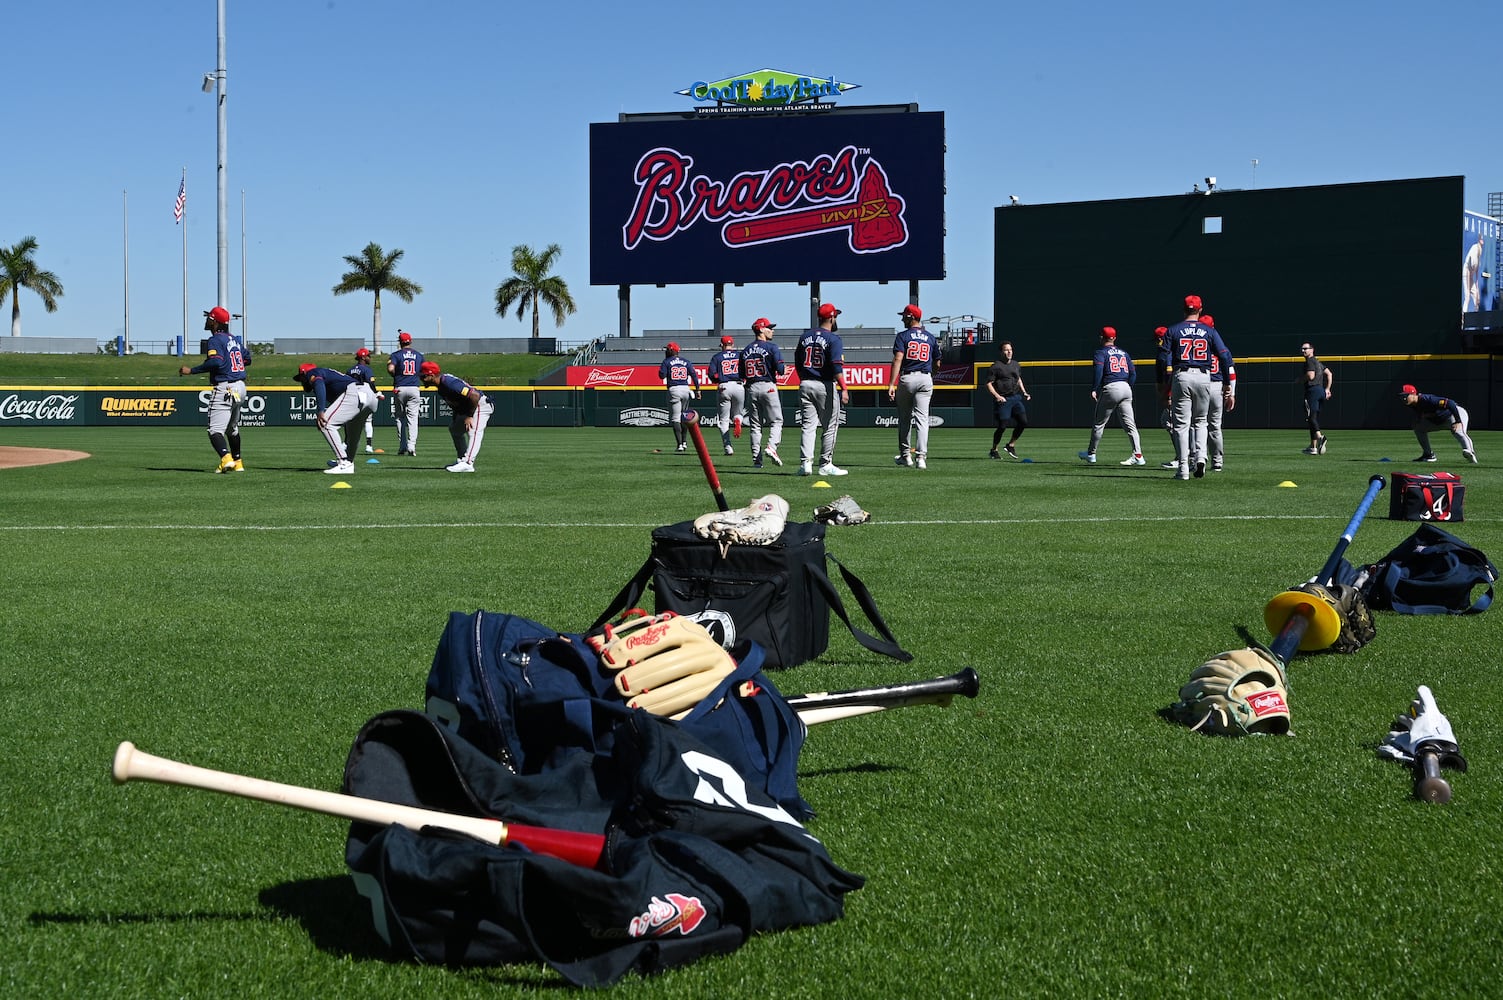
x=1132, y=460
x=1011, y=451
x=1309, y=451
x=369, y=450
x=1320, y=445
x=1427, y=458
x=831, y=469
x=756, y=463
x=729, y=450
x=920, y=463
x=682, y=447
x=902, y=459
x=993, y=454
x=226, y=462
x=239, y=466
x=341, y=469
x=1470, y=456
x=1087, y=457
x=460, y=466
x=1200, y=470
x=772, y=453
x=803, y=469
x=1168, y=465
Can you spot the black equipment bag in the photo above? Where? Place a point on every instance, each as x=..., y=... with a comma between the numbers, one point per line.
x=778, y=595
x=1417, y=496
x=1432, y=572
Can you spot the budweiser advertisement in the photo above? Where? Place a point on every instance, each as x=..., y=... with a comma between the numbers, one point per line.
x=768, y=198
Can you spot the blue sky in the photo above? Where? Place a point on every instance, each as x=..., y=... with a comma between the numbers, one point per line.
x=454, y=130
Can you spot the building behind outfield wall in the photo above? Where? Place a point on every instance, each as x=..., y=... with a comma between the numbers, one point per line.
x=1368, y=273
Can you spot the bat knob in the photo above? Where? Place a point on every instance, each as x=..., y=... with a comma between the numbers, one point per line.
x=120, y=769
x=1436, y=790
x=690, y=417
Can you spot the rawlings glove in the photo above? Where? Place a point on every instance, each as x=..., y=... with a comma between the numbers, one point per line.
x=843, y=510
x=760, y=522
x=1238, y=693
x=665, y=664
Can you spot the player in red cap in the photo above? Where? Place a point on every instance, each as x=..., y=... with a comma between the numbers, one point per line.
x=225, y=361
x=725, y=372
x=683, y=383
x=471, y=412
x=762, y=365
x=1113, y=376
x=1436, y=413
x=407, y=392
x=820, y=361
x=910, y=383
x=366, y=378
x=1188, y=349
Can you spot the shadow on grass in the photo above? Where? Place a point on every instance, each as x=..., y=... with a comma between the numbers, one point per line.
x=867, y=768
x=335, y=916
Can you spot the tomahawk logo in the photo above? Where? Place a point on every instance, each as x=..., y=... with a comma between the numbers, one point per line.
x=664, y=915
x=721, y=626
x=789, y=201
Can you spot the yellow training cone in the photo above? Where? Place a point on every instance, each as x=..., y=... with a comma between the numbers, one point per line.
x=821, y=485
x=1287, y=484
x=340, y=486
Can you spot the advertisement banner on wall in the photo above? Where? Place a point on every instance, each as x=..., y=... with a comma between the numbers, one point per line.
x=759, y=198
x=1479, y=262
x=859, y=376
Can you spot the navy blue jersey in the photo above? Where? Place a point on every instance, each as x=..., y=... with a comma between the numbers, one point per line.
x=726, y=366
x=819, y=356
x=1112, y=364
x=327, y=385
x=1440, y=409
x=224, y=359
x=918, y=348
x=462, y=397
x=678, y=371
x=1192, y=344
x=762, y=361
x=362, y=373
x=405, y=365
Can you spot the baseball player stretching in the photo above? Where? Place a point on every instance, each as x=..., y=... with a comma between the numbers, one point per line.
x=1223, y=399
x=1188, y=349
x=362, y=373
x=225, y=361
x=472, y=411
x=762, y=365
x=820, y=361
x=1434, y=413
x=344, y=404
x=910, y=383
x=1114, y=376
x=407, y=391
x=682, y=381
x=725, y=372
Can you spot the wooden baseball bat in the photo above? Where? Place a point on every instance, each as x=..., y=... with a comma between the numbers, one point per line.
x=826, y=706
x=583, y=849
x=1429, y=786
x=691, y=423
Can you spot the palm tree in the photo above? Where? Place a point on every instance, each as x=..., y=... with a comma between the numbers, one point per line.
x=18, y=271
x=531, y=286
x=376, y=271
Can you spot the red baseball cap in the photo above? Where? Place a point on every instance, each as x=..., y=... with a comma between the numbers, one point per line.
x=763, y=323
x=403, y=337
x=1192, y=302
x=219, y=314
x=301, y=371
x=429, y=368
x=827, y=310
x=1109, y=332
x=364, y=352
x=911, y=310
x=1159, y=331
x=1408, y=390
x=1207, y=320
x=727, y=340
x=671, y=347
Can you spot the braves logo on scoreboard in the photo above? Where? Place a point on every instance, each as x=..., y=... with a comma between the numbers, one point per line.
x=758, y=206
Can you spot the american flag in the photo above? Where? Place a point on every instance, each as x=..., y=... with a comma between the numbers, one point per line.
x=182, y=200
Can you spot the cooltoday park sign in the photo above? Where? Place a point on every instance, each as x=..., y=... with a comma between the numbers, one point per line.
x=764, y=90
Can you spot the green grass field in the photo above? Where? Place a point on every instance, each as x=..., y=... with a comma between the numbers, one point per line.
x=1054, y=837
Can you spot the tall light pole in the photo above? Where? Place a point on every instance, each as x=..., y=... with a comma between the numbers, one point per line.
x=221, y=82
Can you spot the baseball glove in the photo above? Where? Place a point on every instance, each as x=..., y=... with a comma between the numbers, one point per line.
x=1237, y=693
x=760, y=522
x=843, y=511
x=1357, y=625
x=665, y=664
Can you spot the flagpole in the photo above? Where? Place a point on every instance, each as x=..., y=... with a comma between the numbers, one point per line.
x=244, y=309
x=183, y=221
x=125, y=211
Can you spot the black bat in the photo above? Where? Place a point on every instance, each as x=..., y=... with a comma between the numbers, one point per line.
x=824, y=706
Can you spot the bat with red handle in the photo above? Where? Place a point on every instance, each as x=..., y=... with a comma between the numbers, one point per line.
x=584, y=849
x=691, y=424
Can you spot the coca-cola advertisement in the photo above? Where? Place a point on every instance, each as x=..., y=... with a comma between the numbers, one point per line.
x=768, y=198
x=39, y=409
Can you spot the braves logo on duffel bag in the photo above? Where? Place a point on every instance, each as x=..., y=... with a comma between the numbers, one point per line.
x=721, y=626
x=664, y=915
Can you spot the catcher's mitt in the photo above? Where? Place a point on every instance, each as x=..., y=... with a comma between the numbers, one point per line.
x=1357, y=625
x=843, y=510
x=1237, y=693
x=665, y=664
x=760, y=522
